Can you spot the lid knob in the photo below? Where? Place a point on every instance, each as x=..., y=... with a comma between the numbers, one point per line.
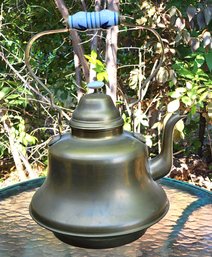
x=95, y=85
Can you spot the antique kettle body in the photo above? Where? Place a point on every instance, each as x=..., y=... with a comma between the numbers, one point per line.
x=100, y=190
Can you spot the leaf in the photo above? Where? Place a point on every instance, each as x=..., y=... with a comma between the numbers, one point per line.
x=203, y=96
x=172, y=77
x=102, y=76
x=186, y=36
x=207, y=15
x=4, y=92
x=181, y=89
x=183, y=72
x=134, y=78
x=127, y=127
x=195, y=44
x=141, y=118
x=88, y=57
x=208, y=58
x=141, y=21
x=186, y=100
x=180, y=23
x=156, y=125
x=199, y=91
x=93, y=54
x=172, y=11
x=180, y=125
x=175, y=94
x=206, y=38
x=201, y=20
x=13, y=96
x=162, y=75
x=173, y=106
x=191, y=12
x=178, y=38
x=188, y=85
x=193, y=109
x=148, y=140
x=198, y=62
x=144, y=4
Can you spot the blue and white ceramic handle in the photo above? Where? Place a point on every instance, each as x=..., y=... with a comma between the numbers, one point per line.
x=93, y=20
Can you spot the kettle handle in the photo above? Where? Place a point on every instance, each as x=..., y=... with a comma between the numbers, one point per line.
x=27, y=59
x=81, y=21
x=152, y=75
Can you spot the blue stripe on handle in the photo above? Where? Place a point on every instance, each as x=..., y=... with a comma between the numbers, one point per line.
x=87, y=19
x=91, y=20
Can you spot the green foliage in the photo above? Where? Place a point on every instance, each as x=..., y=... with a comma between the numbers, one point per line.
x=194, y=84
x=183, y=83
x=99, y=66
x=30, y=121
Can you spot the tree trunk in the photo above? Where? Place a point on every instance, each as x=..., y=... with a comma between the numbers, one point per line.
x=111, y=53
x=79, y=59
x=14, y=151
x=94, y=43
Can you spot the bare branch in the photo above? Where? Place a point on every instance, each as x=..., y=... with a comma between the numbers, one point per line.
x=84, y=5
x=111, y=53
x=62, y=9
x=22, y=78
x=32, y=89
x=78, y=50
x=94, y=43
x=113, y=5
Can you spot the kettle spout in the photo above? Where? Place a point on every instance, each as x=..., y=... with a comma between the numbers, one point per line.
x=161, y=165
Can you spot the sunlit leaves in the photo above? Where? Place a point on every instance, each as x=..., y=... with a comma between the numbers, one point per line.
x=173, y=105
x=180, y=23
x=195, y=83
x=141, y=118
x=206, y=38
x=135, y=77
x=99, y=66
x=127, y=122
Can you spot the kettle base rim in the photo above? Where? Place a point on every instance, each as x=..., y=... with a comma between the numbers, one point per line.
x=100, y=241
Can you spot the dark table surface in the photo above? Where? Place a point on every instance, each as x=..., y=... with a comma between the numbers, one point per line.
x=185, y=231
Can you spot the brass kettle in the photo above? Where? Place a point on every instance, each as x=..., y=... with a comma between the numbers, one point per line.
x=100, y=191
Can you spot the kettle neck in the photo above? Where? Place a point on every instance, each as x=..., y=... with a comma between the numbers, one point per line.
x=96, y=133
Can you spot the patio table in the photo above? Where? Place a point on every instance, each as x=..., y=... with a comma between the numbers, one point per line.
x=185, y=231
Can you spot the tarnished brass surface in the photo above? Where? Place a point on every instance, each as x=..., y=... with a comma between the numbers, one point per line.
x=100, y=190
x=96, y=112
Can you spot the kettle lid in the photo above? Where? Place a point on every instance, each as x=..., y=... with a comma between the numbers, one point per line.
x=96, y=112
